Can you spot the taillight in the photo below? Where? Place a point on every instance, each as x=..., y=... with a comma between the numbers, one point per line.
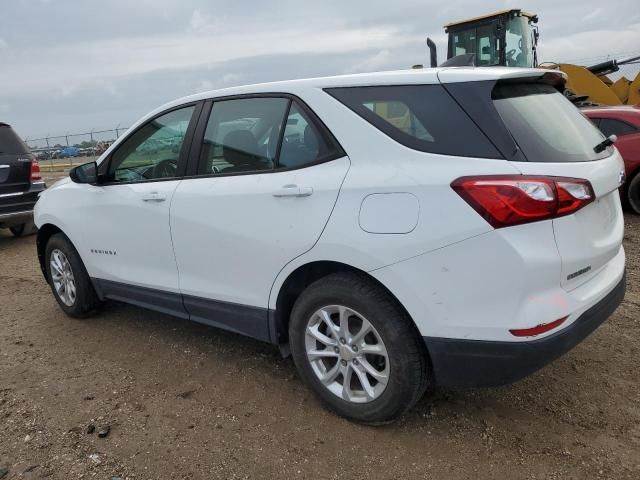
x=35, y=171
x=506, y=200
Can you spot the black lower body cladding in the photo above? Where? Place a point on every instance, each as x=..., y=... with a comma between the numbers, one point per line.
x=486, y=363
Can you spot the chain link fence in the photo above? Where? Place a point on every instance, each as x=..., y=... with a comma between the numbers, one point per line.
x=61, y=152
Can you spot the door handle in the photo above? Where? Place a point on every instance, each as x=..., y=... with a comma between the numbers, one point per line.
x=293, y=191
x=154, y=197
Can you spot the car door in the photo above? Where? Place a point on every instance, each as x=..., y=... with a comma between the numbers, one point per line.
x=267, y=179
x=124, y=220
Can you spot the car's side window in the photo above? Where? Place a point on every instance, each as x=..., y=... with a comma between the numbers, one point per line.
x=422, y=117
x=153, y=151
x=242, y=135
x=303, y=143
x=610, y=126
x=400, y=116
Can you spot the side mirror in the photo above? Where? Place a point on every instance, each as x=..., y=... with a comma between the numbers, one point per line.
x=85, y=173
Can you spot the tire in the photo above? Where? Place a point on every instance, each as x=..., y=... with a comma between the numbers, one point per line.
x=23, y=230
x=358, y=298
x=84, y=301
x=633, y=194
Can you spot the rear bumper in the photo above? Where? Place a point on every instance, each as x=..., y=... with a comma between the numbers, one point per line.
x=459, y=362
x=17, y=208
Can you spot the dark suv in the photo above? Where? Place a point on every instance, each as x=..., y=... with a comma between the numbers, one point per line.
x=20, y=183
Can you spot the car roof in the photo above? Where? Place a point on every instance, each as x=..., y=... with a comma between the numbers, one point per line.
x=417, y=76
x=396, y=77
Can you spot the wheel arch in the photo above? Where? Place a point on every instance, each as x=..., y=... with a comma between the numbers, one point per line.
x=45, y=232
x=298, y=280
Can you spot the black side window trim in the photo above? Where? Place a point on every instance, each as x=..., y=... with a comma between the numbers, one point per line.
x=283, y=127
x=185, y=150
x=195, y=164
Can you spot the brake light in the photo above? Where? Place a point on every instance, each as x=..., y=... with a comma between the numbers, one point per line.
x=507, y=200
x=539, y=329
x=35, y=171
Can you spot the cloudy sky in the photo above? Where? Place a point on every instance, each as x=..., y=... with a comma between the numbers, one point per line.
x=77, y=65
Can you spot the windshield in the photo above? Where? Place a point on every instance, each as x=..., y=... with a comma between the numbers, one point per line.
x=519, y=43
x=546, y=126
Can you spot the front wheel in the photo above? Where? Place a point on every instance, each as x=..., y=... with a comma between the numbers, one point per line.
x=68, y=278
x=357, y=349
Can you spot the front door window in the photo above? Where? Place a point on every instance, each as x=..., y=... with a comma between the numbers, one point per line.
x=153, y=151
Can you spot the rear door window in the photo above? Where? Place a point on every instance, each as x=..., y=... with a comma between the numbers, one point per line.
x=303, y=142
x=242, y=135
x=546, y=126
x=422, y=117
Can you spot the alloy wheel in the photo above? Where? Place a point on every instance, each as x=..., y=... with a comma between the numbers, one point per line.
x=62, y=277
x=347, y=354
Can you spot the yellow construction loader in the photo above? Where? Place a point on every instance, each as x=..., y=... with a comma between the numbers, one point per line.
x=510, y=38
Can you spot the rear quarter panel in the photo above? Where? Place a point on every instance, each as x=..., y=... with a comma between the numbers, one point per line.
x=380, y=165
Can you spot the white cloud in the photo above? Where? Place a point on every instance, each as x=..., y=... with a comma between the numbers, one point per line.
x=3, y=43
x=600, y=44
x=231, y=78
x=204, y=86
x=597, y=12
x=201, y=23
x=373, y=63
x=79, y=64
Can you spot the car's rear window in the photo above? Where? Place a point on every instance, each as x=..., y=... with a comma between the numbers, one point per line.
x=546, y=126
x=422, y=117
x=10, y=143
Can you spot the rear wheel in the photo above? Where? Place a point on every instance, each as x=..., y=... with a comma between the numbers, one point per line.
x=68, y=278
x=633, y=194
x=357, y=349
x=27, y=228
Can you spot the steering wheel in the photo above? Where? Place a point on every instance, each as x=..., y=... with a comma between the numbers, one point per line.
x=165, y=168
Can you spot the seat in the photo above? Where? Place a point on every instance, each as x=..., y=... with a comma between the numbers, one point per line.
x=240, y=149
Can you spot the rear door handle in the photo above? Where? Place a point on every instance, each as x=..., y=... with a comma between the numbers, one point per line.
x=293, y=191
x=154, y=197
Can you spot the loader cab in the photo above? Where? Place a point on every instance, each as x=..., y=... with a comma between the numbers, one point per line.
x=507, y=38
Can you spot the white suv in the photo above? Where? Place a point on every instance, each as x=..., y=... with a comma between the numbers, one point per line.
x=392, y=230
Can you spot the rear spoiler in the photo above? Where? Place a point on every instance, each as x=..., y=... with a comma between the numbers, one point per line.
x=501, y=74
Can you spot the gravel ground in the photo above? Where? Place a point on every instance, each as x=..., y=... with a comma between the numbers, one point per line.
x=186, y=401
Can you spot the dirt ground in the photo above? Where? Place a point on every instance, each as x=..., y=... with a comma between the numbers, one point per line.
x=186, y=401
